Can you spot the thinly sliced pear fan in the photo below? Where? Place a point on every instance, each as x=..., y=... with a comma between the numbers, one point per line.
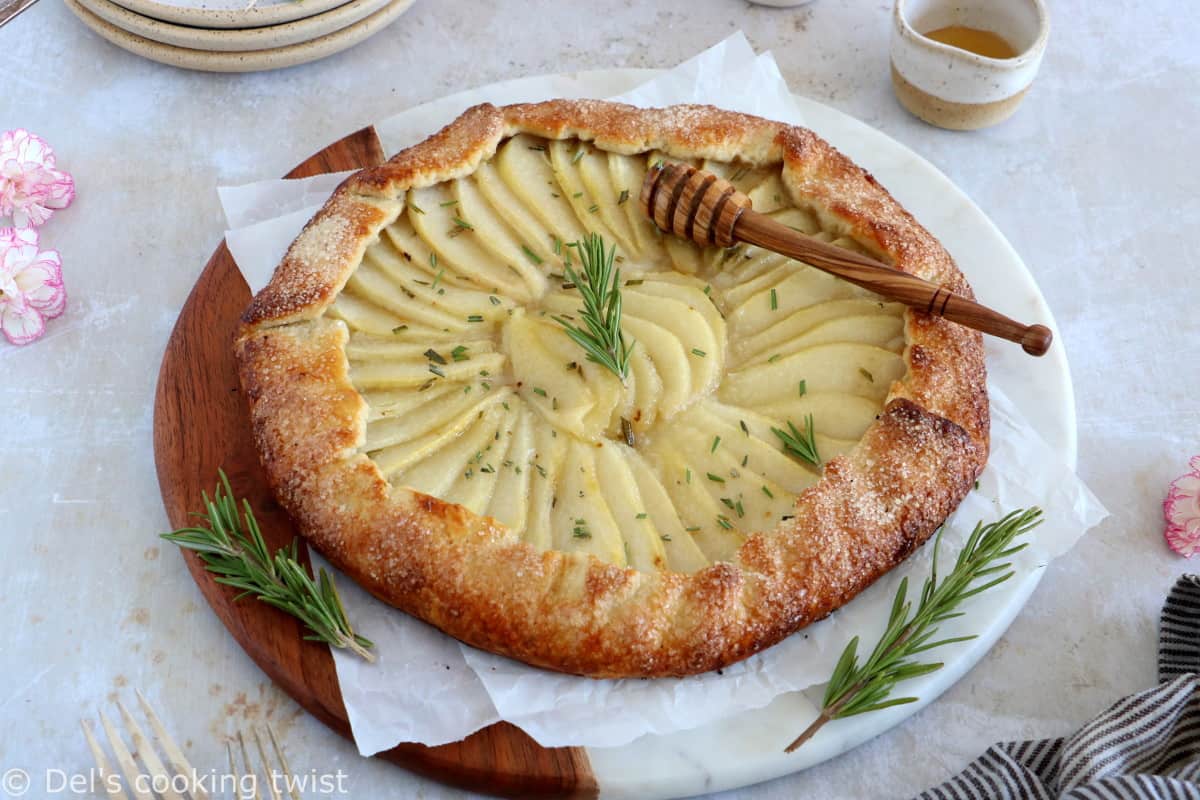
x=581, y=520
x=759, y=448
x=457, y=245
x=520, y=426
x=524, y=165
x=495, y=236
x=644, y=546
x=778, y=338
x=441, y=412
x=438, y=471
x=510, y=501
x=524, y=224
x=476, y=485
x=854, y=369
x=549, y=451
x=838, y=415
x=393, y=374
x=803, y=287
x=700, y=513
x=392, y=460
x=683, y=554
x=435, y=291
x=627, y=174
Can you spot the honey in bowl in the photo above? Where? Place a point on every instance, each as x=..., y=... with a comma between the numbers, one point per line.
x=974, y=40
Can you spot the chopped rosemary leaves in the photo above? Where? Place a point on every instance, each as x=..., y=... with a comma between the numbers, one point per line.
x=474, y=318
x=696, y=351
x=642, y=515
x=714, y=478
x=623, y=196
x=579, y=153
x=415, y=207
x=724, y=522
x=493, y=299
x=460, y=353
x=399, y=328
x=768, y=492
x=716, y=443
x=436, y=370
x=462, y=223
x=435, y=356
x=774, y=358
x=532, y=256
x=744, y=427
x=627, y=432
x=866, y=373
x=593, y=208
x=774, y=300
x=539, y=391
x=803, y=387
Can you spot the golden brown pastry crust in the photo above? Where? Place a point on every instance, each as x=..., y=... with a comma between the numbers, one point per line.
x=471, y=576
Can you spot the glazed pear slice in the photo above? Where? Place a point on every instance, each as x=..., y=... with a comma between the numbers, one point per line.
x=883, y=331
x=377, y=374
x=365, y=346
x=683, y=554
x=772, y=340
x=644, y=547
x=510, y=502
x=523, y=222
x=549, y=452
x=393, y=460
x=370, y=282
x=839, y=416
x=401, y=238
x=438, y=471
x=475, y=486
x=854, y=369
x=803, y=287
x=565, y=158
x=441, y=412
x=536, y=346
x=608, y=199
x=698, y=511
x=496, y=237
x=435, y=291
x=769, y=194
x=363, y=315
x=756, y=444
x=581, y=520
x=457, y=245
x=688, y=324
x=627, y=173
x=524, y=165
x=646, y=396
x=387, y=403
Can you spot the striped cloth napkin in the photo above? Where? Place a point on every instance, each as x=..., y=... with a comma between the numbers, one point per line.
x=1146, y=746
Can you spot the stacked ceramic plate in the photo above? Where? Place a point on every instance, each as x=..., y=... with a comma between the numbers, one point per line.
x=236, y=35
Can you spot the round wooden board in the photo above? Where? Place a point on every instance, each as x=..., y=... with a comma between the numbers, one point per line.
x=200, y=425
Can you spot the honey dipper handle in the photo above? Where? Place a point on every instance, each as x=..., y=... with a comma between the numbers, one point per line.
x=761, y=230
x=698, y=205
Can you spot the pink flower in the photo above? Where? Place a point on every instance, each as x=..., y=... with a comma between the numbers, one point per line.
x=1182, y=512
x=31, y=285
x=30, y=187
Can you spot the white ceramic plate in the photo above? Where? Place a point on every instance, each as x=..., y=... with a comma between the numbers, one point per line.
x=229, y=13
x=748, y=748
x=234, y=41
x=249, y=61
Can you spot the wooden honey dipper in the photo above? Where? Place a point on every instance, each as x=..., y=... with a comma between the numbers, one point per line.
x=698, y=205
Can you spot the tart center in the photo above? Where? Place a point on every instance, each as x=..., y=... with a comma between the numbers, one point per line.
x=748, y=370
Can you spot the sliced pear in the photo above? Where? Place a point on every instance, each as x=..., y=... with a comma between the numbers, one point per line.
x=441, y=412
x=524, y=164
x=701, y=515
x=392, y=374
x=556, y=392
x=683, y=554
x=523, y=222
x=581, y=521
x=549, y=452
x=386, y=403
x=854, y=369
x=756, y=445
x=644, y=546
x=457, y=245
x=437, y=472
x=371, y=283
x=628, y=173
x=688, y=323
x=475, y=486
x=401, y=238
x=511, y=500
x=393, y=460
x=418, y=287
x=803, y=287
x=772, y=340
x=496, y=237
x=364, y=315
x=837, y=415
x=769, y=194
x=365, y=346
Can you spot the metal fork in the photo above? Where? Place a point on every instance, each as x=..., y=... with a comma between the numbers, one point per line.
x=153, y=773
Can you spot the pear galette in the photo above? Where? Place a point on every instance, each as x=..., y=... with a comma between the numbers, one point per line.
x=780, y=438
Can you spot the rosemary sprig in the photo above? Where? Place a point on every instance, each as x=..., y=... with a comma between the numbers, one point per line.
x=858, y=689
x=801, y=445
x=600, y=287
x=235, y=551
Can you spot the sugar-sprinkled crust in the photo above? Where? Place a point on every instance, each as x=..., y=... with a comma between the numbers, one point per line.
x=472, y=577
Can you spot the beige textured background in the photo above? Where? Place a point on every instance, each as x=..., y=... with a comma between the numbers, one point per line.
x=1094, y=182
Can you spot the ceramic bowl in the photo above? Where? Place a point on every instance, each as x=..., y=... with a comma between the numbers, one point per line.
x=957, y=89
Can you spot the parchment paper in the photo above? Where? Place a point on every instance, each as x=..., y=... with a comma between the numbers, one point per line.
x=428, y=688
